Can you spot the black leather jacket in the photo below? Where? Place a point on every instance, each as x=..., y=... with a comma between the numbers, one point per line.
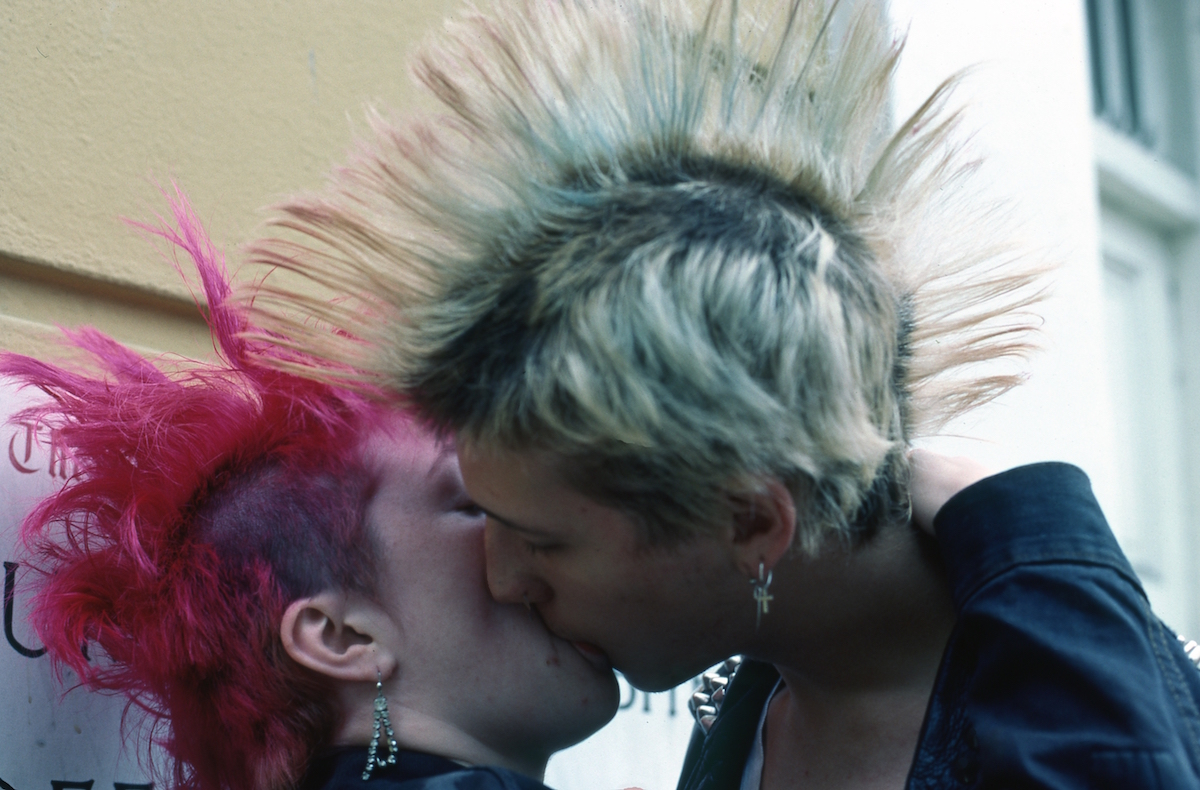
x=1057, y=674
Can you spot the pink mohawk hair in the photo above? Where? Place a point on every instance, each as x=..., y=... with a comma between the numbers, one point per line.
x=205, y=498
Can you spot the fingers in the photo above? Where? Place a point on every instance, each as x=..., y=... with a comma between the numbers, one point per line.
x=935, y=479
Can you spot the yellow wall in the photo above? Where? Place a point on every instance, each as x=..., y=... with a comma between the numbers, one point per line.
x=242, y=102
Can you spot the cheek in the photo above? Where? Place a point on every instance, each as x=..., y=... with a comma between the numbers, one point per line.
x=456, y=562
x=438, y=571
x=631, y=586
x=444, y=544
x=613, y=573
x=504, y=551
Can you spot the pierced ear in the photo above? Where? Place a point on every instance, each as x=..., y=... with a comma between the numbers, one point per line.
x=764, y=524
x=339, y=635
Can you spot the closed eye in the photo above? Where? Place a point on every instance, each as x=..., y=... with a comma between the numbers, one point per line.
x=537, y=549
x=533, y=541
x=470, y=510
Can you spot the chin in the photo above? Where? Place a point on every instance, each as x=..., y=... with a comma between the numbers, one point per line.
x=566, y=727
x=583, y=727
x=654, y=678
x=654, y=685
x=603, y=701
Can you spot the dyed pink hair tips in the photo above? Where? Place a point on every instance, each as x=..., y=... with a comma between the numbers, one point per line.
x=188, y=628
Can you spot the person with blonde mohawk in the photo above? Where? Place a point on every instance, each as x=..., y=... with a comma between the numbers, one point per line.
x=684, y=299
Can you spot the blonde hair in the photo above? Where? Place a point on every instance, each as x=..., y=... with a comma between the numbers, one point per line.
x=683, y=255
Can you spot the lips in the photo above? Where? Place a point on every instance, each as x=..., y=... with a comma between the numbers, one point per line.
x=594, y=655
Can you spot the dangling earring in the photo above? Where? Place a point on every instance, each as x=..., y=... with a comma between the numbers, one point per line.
x=384, y=724
x=762, y=594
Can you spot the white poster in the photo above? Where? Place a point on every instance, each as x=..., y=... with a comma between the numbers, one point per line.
x=48, y=741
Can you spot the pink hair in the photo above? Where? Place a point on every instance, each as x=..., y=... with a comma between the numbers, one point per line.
x=205, y=498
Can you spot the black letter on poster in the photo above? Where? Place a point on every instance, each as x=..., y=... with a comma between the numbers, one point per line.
x=6, y=786
x=10, y=585
x=632, y=697
x=127, y=786
x=59, y=784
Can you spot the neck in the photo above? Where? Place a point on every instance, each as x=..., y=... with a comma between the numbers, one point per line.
x=859, y=623
x=420, y=732
x=858, y=640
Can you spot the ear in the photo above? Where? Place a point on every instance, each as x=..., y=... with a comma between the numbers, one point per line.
x=341, y=636
x=764, y=524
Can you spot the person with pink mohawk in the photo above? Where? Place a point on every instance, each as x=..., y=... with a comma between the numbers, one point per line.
x=285, y=577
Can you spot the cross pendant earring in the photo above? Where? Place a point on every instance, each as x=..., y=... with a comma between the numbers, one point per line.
x=762, y=594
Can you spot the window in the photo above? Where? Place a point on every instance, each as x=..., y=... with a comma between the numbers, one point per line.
x=1140, y=78
x=1115, y=95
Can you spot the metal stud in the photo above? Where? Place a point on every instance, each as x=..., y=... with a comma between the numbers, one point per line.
x=706, y=701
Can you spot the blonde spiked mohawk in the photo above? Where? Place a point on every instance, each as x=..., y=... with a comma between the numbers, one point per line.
x=683, y=255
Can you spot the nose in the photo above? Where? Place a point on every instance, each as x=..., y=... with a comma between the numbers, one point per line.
x=509, y=576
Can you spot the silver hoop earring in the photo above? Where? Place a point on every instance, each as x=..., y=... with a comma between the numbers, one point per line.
x=382, y=724
x=762, y=593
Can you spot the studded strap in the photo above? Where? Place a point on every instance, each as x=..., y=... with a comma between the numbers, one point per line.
x=706, y=702
x=1192, y=648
